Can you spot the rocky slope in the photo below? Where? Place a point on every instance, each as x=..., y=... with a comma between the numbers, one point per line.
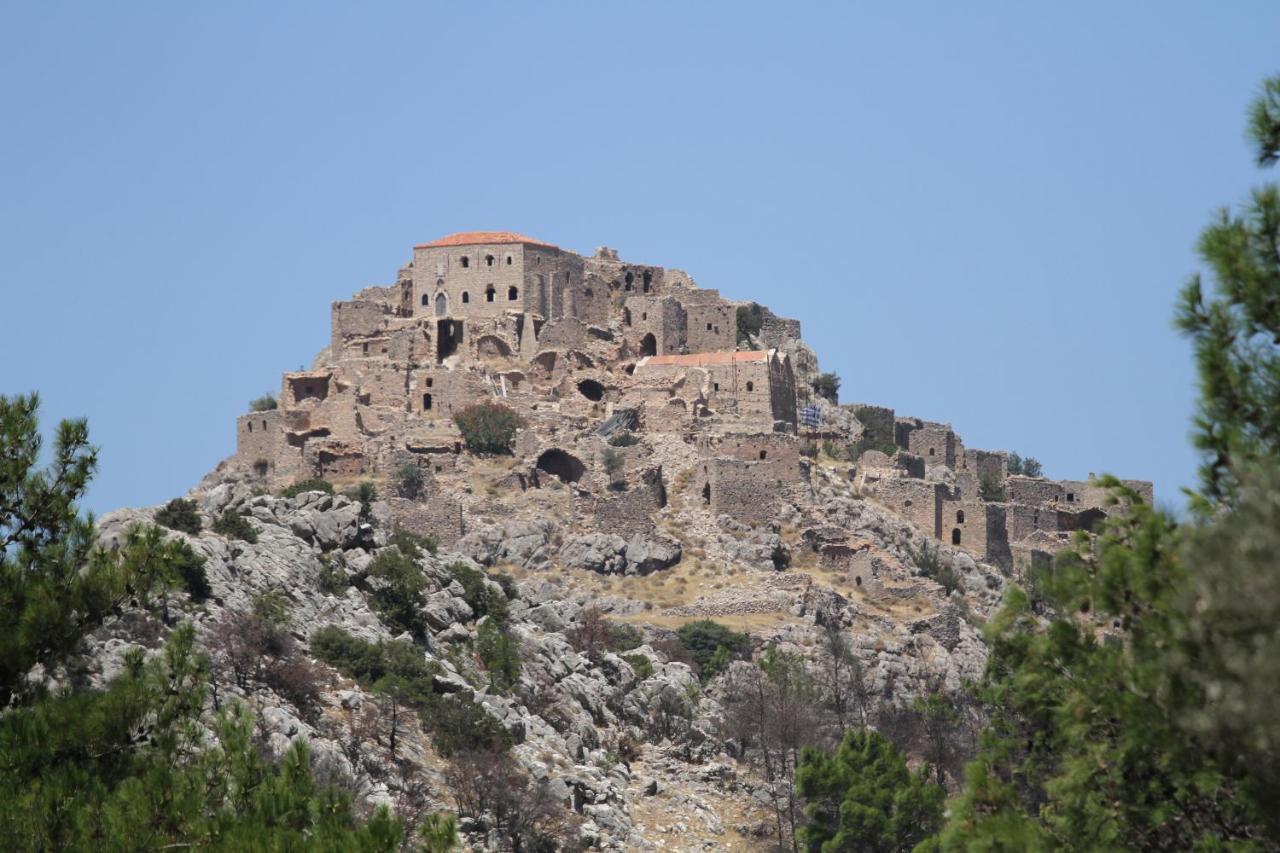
x=629, y=751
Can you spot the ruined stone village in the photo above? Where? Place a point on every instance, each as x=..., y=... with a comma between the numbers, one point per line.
x=587, y=347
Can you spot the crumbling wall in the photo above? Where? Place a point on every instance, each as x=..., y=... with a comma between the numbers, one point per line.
x=918, y=501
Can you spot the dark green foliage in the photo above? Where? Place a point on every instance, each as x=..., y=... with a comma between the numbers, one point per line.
x=507, y=583
x=641, y=664
x=827, y=386
x=412, y=544
x=265, y=403
x=1027, y=466
x=364, y=493
x=233, y=525
x=929, y=562
x=624, y=637
x=488, y=427
x=865, y=798
x=500, y=654
x=456, y=722
x=313, y=485
x=623, y=439
x=180, y=514
x=809, y=449
x=865, y=443
x=408, y=482
x=483, y=599
x=438, y=833
x=397, y=597
x=331, y=579
x=189, y=567
x=613, y=461
x=990, y=488
x=750, y=320
x=704, y=638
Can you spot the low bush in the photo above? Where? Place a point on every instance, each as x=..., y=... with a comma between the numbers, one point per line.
x=827, y=386
x=313, y=485
x=233, y=525
x=265, y=403
x=190, y=566
x=488, y=427
x=809, y=449
x=500, y=654
x=331, y=578
x=990, y=489
x=641, y=664
x=180, y=514
x=707, y=641
x=623, y=439
x=483, y=599
x=408, y=482
x=412, y=544
x=750, y=320
x=398, y=598
x=929, y=562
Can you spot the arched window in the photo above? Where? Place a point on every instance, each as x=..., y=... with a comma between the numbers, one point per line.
x=466, y=262
x=488, y=260
x=442, y=305
x=649, y=345
x=509, y=260
x=751, y=386
x=426, y=402
x=466, y=298
x=955, y=536
x=959, y=516
x=512, y=294
x=488, y=293
x=426, y=300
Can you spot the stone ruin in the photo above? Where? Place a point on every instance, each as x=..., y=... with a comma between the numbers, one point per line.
x=586, y=347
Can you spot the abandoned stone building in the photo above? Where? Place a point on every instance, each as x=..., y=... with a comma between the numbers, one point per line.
x=585, y=346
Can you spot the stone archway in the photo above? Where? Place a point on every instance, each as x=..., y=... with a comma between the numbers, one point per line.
x=567, y=467
x=649, y=345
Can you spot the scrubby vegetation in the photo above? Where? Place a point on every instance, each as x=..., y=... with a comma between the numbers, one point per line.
x=180, y=514
x=313, y=485
x=488, y=427
x=750, y=321
x=265, y=403
x=713, y=646
x=1027, y=466
x=827, y=386
x=233, y=525
x=408, y=482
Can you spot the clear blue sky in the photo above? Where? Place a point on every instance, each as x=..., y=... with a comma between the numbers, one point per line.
x=980, y=212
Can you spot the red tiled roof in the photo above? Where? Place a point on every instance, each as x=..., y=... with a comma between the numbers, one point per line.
x=472, y=238
x=700, y=359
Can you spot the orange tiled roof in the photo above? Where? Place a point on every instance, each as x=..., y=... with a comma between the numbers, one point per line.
x=472, y=238
x=699, y=359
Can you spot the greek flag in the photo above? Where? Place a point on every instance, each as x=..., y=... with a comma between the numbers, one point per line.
x=810, y=416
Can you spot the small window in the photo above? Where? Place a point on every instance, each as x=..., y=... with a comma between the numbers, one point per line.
x=430, y=381
x=648, y=278
x=466, y=297
x=489, y=293
x=955, y=536
x=708, y=327
x=907, y=502
x=931, y=451
x=764, y=454
x=629, y=279
x=426, y=402
x=426, y=300
x=250, y=423
x=644, y=315
x=717, y=386
x=751, y=386
x=512, y=294
x=364, y=348
x=1071, y=497
x=509, y=260
x=959, y=516
x=466, y=262
x=488, y=260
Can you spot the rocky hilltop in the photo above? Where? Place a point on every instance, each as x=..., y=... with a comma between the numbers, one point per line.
x=673, y=457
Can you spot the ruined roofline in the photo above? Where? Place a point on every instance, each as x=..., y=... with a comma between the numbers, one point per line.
x=484, y=238
x=700, y=359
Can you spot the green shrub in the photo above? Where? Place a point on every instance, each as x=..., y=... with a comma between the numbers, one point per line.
x=408, y=482
x=460, y=724
x=1027, y=466
x=265, y=403
x=366, y=492
x=641, y=664
x=931, y=566
x=479, y=595
x=507, y=583
x=827, y=386
x=750, y=320
x=488, y=427
x=704, y=638
x=412, y=544
x=624, y=637
x=313, y=485
x=331, y=579
x=809, y=449
x=614, y=462
x=190, y=567
x=180, y=514
x=500, y=654
x=990, y=489
x=233, y=525
x=623, y=439
x=398, y=599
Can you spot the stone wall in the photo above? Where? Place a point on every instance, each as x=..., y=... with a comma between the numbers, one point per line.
x=918, y=501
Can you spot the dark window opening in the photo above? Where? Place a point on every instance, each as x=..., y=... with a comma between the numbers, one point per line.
x=250, y=426
x=630, y=370
x=716, y=386
x=930, y=451
x=448, y=336
x=764, y=454
x=708, y=327
x=629, y=278
x=648, y=278
x=466, y=298
x=955, y=536
x=706, y=493
x=466, y=262
x=426, y=402
x=751, y=386
x=649, y=345
x=644, y=315
x=591, y=389
x=488, y=260
x=508, y=260
x=426, y=300
x=260, y=467
x=857, y=580
x=1071, y=497
x=959, y=516
x=512, y=294
x=430, y=382
x=566, y=468
x=489, y=293
x=907, y=502
x=626, y=316
x=364, y=348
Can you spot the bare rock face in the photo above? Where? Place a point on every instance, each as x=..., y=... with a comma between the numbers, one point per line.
x=610, y=554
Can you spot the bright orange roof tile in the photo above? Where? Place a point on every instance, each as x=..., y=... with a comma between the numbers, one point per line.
x=473, y=238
